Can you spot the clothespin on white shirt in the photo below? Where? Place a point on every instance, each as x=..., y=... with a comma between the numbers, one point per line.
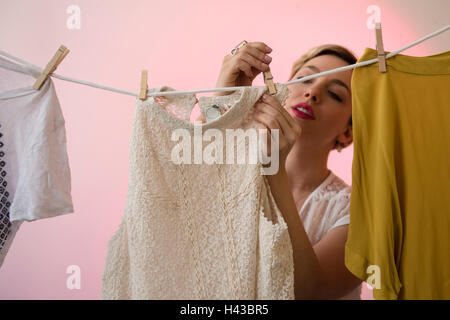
x=144, y=86
x=51, y=66
x=380, y=48
x=268, y=80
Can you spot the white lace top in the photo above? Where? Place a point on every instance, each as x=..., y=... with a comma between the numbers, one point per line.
x=197, y=231
x=327, y=207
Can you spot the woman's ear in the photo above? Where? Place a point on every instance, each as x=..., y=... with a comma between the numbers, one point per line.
x=346, y=137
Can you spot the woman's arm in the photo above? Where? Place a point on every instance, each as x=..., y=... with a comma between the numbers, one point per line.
x=330, y=251
x=319, y=271
x=308, y=274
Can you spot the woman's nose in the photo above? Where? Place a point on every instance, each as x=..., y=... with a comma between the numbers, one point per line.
x=311, y=96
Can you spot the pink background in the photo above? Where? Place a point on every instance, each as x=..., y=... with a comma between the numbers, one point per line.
x=182, y=44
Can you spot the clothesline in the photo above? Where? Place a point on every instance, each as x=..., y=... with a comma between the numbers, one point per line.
x=167, y=93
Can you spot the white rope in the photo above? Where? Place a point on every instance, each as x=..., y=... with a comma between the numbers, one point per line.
x=367, y=62
x=167, y=93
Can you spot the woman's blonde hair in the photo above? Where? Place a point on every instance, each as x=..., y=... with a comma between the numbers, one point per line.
x=326, y=49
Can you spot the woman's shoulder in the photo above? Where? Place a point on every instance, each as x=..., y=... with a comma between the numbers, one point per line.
x=333, y=188
x=334, y=199
x=328, y=207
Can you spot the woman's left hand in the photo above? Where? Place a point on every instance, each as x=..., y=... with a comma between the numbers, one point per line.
x=271, y=115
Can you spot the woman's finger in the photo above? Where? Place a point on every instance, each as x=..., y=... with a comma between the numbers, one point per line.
x=271, y=123
x=255, y=57
x=254, y=62
x=288, y=131
x=265, y=109
x=261, y=46
x=275, y=104
x=264, y=124
x=242, y=65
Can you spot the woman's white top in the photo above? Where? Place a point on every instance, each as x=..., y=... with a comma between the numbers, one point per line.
x=327, y=207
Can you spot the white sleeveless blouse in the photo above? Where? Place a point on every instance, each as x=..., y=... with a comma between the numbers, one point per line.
x=196, y=231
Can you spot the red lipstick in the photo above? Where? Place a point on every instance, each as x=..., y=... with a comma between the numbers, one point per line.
x=304, y=111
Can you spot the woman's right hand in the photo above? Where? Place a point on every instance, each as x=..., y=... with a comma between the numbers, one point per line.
x=242, y=68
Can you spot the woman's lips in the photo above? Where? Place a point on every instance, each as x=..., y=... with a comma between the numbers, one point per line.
x=304, y=111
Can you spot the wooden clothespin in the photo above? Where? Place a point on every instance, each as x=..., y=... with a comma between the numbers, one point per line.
x=51, y=66
x=380, y=48
x=268, y=80
x=144, y=86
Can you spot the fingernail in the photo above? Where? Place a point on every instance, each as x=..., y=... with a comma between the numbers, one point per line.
x=267, y=58
x=264, y=96
x=269, y=49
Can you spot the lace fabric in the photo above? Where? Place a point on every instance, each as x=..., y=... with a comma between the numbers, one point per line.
x=330, y=187
x=197, y=231
x=325, y=206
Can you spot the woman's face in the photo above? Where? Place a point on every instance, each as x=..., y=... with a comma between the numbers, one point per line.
x=324, y=104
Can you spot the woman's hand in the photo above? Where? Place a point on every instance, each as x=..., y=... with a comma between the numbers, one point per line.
x=271, y=115
x=242, y=68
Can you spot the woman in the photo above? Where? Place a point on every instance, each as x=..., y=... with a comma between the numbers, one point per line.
x=315, y=119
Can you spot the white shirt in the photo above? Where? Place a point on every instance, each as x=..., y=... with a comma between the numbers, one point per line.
x=327, y=207
x=34, y=167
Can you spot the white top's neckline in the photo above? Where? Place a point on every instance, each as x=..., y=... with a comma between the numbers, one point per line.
x=325, y=182
x=240, y=102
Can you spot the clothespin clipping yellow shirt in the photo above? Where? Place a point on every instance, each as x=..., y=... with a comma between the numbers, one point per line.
x=380, y=48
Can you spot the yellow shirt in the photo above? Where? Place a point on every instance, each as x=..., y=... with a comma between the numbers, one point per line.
x=399, y=233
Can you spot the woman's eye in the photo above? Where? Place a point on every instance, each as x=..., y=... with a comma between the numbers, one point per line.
x=335, y=96
x=331, y=93
x=306, y=81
